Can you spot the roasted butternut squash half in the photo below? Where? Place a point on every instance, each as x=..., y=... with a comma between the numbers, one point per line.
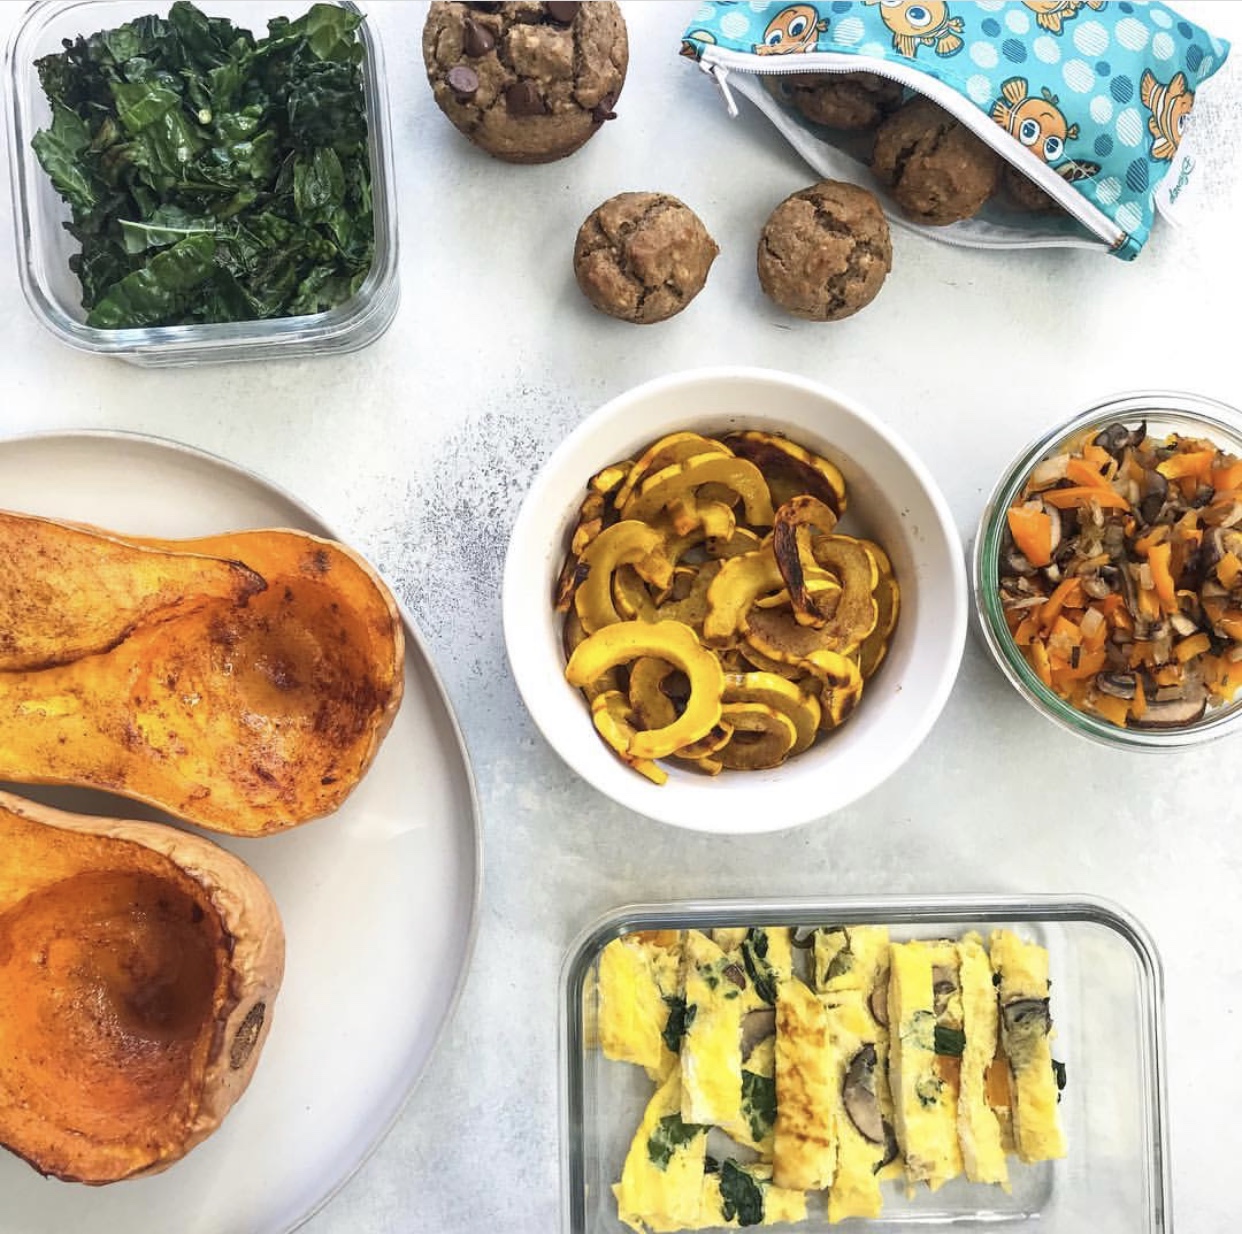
x=138, y=965
x=246, y=715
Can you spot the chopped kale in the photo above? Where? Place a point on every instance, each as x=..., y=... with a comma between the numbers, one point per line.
x=212, y=176
x=755, y=957
x=950, y=1041
x=758, y=1103
x=680, y=1017
x=741, y=1197
x=670, y=1134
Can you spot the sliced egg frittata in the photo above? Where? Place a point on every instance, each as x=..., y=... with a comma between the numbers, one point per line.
x=804, y=1147
x=1026, y=1029
x=639, y=983
x=978, y=1128
x=711, y=1047
x=921, y=1060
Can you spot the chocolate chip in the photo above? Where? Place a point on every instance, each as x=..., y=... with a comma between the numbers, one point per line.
x=522, y=99
x=478, y=40
x=603, y=109
x=463, y=81
x=563, y=14
x=486, y=8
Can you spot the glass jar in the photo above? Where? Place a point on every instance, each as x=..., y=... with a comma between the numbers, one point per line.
x=1188, y=415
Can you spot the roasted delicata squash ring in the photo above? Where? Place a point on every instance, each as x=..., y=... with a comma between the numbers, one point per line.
x=614, y=721
x=791, y=470
x=707, y=746
x=841, y=686
x=823, y=586
x=741, y=581
x=666, y=640
x=626, y=542
x=762, y=737
x=888, y=603
x=690, y=608
x=673, y=448
x=674, y=483
x=803, y=710
x=633, y=601
x=653, y=707
x=791, y=544
x=707, y=576
x=856, y=613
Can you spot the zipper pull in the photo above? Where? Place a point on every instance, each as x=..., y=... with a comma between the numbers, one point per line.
x=720, y=75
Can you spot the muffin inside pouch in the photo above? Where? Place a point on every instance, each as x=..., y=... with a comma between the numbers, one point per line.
x=1088, y=101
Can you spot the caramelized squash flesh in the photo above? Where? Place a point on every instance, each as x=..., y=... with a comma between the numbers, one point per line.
x=144, y=963
x=244, y=716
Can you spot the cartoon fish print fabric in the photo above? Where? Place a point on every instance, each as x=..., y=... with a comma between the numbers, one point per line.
x=1169, y=106
x=1100, y=91
x=1040, y=125
x=793, y=29
x=921, y=25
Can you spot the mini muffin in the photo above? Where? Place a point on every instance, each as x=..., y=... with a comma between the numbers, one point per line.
x=642, y=257
x=527, y=82
x=937, y=170
x=843, y=100
x=825, y=251
x=1024, y=194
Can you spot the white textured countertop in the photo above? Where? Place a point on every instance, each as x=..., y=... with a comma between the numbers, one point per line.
x=419, y=448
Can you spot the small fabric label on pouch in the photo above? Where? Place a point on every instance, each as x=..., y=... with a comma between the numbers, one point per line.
x=1181, y=183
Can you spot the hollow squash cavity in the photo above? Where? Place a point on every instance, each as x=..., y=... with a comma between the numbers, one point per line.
x=135, y=990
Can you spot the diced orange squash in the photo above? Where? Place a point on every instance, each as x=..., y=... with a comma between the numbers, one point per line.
x=1032, y=533
x=1228, y=570
x=1114, y=710
x=1082, y=472
x=1037, y=656
x=1080, y=495
x=1067, y=590
x=1193, y=646
x=1192, y=463
x=1158, y=558
x=1227, y=477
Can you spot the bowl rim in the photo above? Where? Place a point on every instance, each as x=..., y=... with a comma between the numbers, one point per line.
x=531, y=526
x=348, y=325
x=1217, y=417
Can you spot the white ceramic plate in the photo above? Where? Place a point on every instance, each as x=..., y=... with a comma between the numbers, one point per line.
x=378, y=900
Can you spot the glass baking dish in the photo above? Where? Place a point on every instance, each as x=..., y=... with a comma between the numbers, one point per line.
x=1107, y=1004
x=44, y=246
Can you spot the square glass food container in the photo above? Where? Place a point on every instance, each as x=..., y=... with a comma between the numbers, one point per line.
x=44, y=247
x=1107, y=1006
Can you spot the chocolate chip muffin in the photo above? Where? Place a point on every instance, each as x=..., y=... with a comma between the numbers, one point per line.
x=642, y=257
x=525, y=81
x=843, y=100
x=1024, y=194
x=825, y=251
x=937, y=170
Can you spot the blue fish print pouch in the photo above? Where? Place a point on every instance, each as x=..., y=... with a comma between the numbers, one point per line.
x=1088, y=99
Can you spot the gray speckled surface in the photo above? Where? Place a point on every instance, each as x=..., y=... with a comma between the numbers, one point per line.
x=420, y=448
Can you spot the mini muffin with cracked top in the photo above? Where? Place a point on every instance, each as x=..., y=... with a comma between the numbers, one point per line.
x=825, y=251
x=527, y=82
x=1024, y=194
x=642, y=257
x=937, y=170
x=854, y=101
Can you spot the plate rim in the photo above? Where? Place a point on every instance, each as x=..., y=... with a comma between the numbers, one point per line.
x=414, y=635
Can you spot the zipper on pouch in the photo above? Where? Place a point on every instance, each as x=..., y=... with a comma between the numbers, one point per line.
x=718, y=61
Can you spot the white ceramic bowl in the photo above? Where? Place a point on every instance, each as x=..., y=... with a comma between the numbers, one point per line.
x=893, y=499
